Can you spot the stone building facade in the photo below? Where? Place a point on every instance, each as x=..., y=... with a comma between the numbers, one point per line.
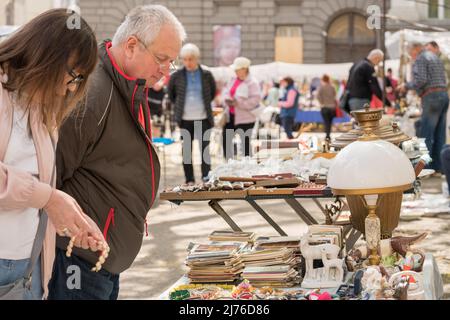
x=302, y=31
x=323, y=31
x=259, y=20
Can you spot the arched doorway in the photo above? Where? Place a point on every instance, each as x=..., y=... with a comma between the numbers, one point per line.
x=349, y=39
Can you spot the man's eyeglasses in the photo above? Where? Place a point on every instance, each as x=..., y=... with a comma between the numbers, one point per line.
x=171, y=65
x=77, y=79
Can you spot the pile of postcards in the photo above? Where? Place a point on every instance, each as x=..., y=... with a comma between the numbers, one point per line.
x=215, y=262
x=320, y=234
x=273, y=262
x=231, y=256
x=233, y=236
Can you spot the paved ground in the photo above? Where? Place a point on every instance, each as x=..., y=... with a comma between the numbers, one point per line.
x=160, y=261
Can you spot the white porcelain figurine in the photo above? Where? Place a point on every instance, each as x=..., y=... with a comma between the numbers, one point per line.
x=320, y=278
x=329, y=265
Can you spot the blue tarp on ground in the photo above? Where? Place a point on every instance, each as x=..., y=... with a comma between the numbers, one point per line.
x=316, y=117
x=165, y=141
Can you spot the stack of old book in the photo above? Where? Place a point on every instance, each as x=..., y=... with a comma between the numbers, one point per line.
x=320, y=234
x=215, y=262
x=262, y=243
x=277, y=242
x=233, y=236
x=275, y=267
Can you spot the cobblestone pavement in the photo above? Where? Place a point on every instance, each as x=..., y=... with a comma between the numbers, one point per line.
x=171, y=228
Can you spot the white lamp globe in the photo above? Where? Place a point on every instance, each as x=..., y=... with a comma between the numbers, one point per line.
x=364, y=166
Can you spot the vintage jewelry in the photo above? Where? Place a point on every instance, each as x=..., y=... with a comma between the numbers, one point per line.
x=101, y=259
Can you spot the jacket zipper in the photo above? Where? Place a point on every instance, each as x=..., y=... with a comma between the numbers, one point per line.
x=109, y=221
x=146, y=228
x=148, y=146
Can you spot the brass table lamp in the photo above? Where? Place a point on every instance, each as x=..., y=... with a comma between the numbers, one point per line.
x=370, y=168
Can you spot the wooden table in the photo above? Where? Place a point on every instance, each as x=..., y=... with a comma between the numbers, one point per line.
x=252, y=196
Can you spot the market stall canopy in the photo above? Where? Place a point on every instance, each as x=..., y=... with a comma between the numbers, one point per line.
x=299, y=72
x=393, y=41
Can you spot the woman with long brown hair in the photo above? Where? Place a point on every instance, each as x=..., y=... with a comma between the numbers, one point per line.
x=44, y=67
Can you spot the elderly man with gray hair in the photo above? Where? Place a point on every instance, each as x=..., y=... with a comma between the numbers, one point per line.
x=105, y=156
x=363, y=83
x=192, y=89
x=430, y=83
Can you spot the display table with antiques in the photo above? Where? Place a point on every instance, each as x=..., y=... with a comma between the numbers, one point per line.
x=315, y=266
x=324, y=263
x=284, y=187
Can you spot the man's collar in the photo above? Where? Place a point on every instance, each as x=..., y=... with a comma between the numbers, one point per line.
x=198, y=69
x=371, y=63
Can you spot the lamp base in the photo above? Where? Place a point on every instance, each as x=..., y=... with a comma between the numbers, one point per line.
x=388, y=210
x=374, y=258
x=372, y=226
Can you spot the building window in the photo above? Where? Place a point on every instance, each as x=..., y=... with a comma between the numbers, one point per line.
x=439, y=9
x=447, y=9
x=433, y=8
x=349, y=39
x=289, y=44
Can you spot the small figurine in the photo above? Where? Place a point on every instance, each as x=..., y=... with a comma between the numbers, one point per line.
x=357, y=277
x=243, y=291
x=372, y=282
x=332, y=264
x=402, y=245
x=401, y=289
x=412, y=261
x=315, y=278
x=415, y=284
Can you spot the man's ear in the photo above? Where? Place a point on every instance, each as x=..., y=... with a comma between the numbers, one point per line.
x=131, y=45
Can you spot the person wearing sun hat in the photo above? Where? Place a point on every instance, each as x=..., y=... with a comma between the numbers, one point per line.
x=241, y=95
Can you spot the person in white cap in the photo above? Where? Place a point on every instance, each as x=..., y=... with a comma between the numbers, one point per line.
x=241, y=95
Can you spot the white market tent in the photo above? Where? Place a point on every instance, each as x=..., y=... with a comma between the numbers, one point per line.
x=299, y=72
x=394, y=41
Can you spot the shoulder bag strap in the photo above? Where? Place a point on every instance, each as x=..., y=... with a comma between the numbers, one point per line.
x=40, y=234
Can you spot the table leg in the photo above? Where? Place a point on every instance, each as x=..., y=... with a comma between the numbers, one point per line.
x=301, y=211
x=317, y=202
x=266, y=217
x=351, y=236
x=214, y=204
